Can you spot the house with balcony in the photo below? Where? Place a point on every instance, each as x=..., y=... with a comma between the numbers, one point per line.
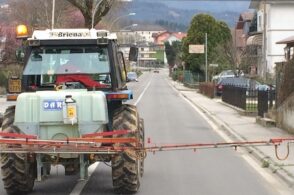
x=239, y=36
x=274, y=23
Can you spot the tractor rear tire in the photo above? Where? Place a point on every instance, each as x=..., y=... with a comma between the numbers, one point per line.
x=1, y=119
x=126, y=166
x=18, y=170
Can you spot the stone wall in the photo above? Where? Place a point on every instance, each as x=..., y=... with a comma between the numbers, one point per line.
x=285, y=114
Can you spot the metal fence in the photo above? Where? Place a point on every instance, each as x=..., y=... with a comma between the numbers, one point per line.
x=235, y=96
x=192, y=79
x=266, y=101
x=250, y=100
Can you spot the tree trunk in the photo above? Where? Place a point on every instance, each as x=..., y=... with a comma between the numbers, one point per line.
x=86, y=7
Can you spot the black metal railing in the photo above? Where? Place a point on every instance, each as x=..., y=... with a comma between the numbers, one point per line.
x=250, y=100
x=235, y=96
x=266, y=101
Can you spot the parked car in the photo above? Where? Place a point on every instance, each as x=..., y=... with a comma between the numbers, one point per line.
x=249, y=84
x=222, y=75
x=132, y=76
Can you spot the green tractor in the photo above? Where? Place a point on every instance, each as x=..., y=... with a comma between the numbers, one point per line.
x=73, y=88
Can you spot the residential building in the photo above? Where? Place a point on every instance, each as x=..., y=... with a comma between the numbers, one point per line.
x=240, y=34
x=141, y=35
x=274, y=23
x=161, y=38
x=146, y=32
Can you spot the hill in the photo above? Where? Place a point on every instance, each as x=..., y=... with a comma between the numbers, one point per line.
x=152, y=12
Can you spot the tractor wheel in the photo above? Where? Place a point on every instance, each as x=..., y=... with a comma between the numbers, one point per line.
x=126, y=166
x=18, y=170
x=1, y=119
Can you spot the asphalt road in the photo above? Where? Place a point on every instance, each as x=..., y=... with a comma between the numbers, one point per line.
x=170, y=119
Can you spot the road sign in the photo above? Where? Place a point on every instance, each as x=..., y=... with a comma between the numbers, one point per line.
x=196, y=48
x=213, y=65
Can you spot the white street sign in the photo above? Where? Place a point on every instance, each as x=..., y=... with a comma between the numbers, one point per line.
x=196, y=48
x=213, y=65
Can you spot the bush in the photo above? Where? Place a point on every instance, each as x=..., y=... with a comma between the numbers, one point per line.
x=177, y=75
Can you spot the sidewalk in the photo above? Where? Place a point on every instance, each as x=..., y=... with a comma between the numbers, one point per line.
x=244, y=128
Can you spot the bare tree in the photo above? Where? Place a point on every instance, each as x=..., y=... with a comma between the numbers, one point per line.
x=8, y=45
x=38, y=14
x=87, y=7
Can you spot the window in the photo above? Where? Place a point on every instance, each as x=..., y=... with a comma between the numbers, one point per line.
x=82, y=60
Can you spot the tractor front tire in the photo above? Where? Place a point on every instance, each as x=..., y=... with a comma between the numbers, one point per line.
x=18, y=170
x=126, y=166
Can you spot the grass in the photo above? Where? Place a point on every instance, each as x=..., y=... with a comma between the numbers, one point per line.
x=252, y=107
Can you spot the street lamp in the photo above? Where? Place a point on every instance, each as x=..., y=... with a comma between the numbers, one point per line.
x=93, y=13
x=114, y=21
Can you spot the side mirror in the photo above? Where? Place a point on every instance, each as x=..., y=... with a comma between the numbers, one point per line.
x=133, y=55
x=36, y=57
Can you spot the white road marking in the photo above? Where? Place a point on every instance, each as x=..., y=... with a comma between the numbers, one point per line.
x=140, y=97
x=81, y=184
x=274, y=182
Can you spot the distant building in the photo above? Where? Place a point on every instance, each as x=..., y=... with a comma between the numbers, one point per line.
x=141, y=33
x=274, y=23
x=161, y=38
x=241, y=33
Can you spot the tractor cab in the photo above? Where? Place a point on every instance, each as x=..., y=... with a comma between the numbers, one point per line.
x=57, y=59
x=73, y=59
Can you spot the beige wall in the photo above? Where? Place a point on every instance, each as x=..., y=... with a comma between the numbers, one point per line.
x=285, y=114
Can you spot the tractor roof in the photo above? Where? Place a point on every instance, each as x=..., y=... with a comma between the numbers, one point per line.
x=57, y=34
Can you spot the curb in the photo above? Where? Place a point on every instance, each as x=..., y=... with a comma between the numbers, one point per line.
x=274, y=167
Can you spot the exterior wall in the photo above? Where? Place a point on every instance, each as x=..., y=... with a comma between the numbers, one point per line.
x=147, y=35
x=172, y=39
x=162, y=38
x=285, y=115
x=280, y=25
x=275, y=21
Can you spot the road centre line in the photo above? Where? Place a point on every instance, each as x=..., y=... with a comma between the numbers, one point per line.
x=141, y=95
x=82, y=183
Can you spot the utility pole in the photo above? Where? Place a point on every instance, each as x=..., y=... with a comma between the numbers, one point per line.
x=53, y=14
x=206, y=69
